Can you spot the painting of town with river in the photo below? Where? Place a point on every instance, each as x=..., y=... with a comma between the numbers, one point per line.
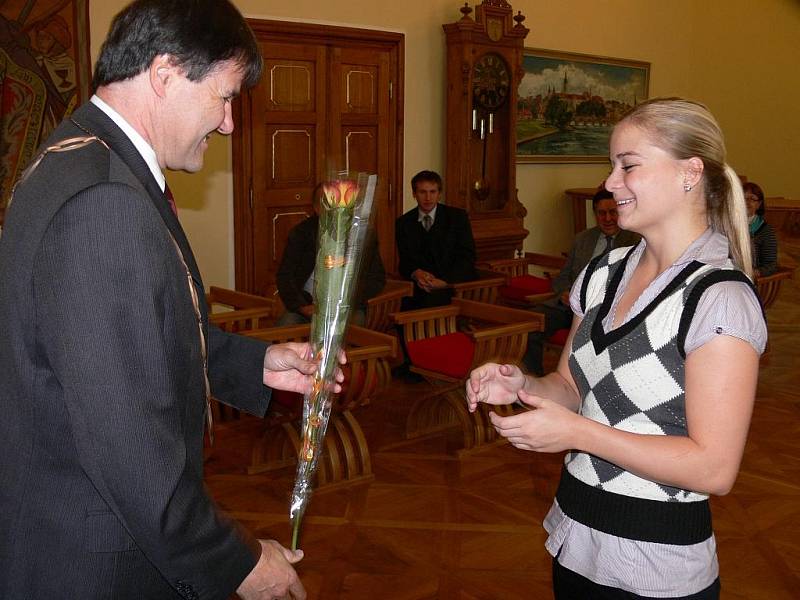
x=568, y=104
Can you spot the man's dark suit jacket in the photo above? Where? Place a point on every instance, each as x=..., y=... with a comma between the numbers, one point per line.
x=447, y=250
x=581, y=253
x=101, y=387
x=298, y=261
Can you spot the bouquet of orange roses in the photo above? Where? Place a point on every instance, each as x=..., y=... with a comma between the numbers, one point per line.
x=344, y=219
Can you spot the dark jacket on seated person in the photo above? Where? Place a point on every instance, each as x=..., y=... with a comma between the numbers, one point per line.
x=558, y=315
x=298, y=263
x=765, y=249
x=447, y=251
x=582, y=251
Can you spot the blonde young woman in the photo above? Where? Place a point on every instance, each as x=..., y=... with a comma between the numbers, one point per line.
x=654, y=391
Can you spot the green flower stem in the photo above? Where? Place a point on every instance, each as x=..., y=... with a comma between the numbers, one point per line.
x=334, y=283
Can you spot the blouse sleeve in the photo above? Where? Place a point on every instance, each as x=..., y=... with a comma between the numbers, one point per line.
x=728, y=308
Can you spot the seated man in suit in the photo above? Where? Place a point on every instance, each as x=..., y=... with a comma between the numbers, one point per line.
x=296, y=273
x=434, y=243
x=592, y=242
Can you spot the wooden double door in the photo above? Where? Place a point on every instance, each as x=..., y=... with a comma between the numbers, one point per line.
x=330, y=99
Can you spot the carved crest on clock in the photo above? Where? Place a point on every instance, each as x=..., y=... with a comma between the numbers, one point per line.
x=494, y=29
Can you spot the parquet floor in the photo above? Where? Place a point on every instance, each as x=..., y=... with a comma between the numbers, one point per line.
x=431, y=525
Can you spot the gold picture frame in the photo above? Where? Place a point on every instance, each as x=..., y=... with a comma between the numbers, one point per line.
x=568, y=104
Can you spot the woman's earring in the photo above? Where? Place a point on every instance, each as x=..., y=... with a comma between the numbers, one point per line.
x=687, y=187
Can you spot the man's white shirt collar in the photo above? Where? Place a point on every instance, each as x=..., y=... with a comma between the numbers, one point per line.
x=145, y=149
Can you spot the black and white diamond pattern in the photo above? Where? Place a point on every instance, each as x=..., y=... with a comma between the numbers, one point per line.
x=634, y=384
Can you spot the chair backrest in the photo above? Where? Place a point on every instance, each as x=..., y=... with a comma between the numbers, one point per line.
x=236, y=312
x=769, y=286
x=484, y=289
x=427, y=322
x=502, y=333
x=387, y=302
x=246, y=319
x=368, y=353
x=499, y=333
x=516, y=267
x=234, y=299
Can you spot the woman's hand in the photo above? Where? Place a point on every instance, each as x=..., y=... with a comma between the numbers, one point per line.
x=547, y=427
x=494, y=384
x=289, y=367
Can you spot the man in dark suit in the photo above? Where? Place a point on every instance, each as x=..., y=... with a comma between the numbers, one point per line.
x=592, y=242
x=295, y=273
x=434, y=243
x=107, y=354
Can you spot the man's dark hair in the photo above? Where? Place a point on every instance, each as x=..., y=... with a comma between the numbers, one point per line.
x=756, y=190
x=430, y=176
x=199, y=34
x=601, y=194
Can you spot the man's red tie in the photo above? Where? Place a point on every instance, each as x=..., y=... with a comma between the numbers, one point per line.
x=171, y=200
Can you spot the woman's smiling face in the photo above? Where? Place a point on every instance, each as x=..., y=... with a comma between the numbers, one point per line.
x=646, y=181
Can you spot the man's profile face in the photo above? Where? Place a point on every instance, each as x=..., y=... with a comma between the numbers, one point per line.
x=427, y=194
x=606, y=214
x=197, y=109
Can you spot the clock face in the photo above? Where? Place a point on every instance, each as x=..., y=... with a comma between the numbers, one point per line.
x=490, y=81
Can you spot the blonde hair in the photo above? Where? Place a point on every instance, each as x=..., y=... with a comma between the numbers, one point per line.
x=686, y=129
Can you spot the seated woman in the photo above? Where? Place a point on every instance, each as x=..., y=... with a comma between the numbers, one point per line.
x=762, y=235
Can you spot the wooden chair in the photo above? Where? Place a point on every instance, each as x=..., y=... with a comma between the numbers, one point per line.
x=387, y=302
x=444, y=354
x=542, y=267
x=238, y=312
x=769, y=286
x=346, y=457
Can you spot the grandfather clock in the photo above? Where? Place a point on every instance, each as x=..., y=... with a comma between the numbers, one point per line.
x=484, y=67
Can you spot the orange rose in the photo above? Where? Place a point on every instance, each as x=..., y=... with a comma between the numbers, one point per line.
x=340, y=193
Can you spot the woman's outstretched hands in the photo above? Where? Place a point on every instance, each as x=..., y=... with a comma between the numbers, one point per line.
x=547, y=427
x=494, y=384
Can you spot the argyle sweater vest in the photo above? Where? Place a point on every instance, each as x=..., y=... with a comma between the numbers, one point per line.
x=632, y=378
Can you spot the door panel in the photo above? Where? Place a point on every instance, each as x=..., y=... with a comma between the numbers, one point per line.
x=324, y=103
x=287, y=143
x=360, y=149
x=360, y=127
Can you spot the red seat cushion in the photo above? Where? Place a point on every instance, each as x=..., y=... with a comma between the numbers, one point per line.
x=449, y=354
x=525, y=285
x=559, y=337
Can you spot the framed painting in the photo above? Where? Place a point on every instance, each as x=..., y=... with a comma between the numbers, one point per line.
x=45, y=74
x=568, y=104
